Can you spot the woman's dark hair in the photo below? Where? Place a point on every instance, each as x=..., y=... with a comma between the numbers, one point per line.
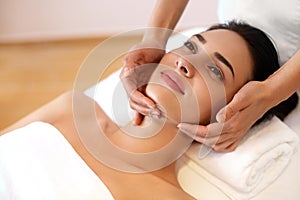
x=265, y=59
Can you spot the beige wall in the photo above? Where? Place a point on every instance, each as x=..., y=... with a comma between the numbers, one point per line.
x=27, y=20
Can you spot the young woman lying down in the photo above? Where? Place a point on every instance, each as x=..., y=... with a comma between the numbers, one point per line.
x=191, y=83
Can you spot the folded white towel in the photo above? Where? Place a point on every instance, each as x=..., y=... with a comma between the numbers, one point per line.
x=256, y=163
x=37, y=162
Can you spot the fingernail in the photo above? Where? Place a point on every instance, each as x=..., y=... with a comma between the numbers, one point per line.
x=156, y=116
x=179, y=126
x=182, y=127
x=151, y=105
x=185, y=131
x=220, y=117
x=154, y=112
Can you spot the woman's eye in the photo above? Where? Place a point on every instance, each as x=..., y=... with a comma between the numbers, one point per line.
x=190, y=46
x=217, y=72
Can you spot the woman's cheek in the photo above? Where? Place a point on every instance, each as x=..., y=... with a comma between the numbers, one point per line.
x=205, y=112
x=166, y=101
x=204, y=103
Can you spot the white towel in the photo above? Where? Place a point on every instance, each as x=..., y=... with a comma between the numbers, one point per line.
x=37, y=162
x=256, y=163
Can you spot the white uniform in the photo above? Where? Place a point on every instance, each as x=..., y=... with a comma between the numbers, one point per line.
x=280, y=19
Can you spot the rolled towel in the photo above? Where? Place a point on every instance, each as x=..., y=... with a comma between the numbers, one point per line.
x=256, y=163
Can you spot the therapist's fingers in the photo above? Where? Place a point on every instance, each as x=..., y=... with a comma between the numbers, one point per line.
x=247, y=106
x=219, y=136
x=212, y=141
x=138, y=119
x=138, y=66
x=143, y=104
x=196, y=130
x=144, y=110
x=222, y=131
x=239, y=124
x=253, y=99
x=239, y=102
x=227, y=146
x=139, y=98
x=233, y=131
x=220, y=142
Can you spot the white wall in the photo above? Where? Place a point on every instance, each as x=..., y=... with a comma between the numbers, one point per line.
x=27, y=20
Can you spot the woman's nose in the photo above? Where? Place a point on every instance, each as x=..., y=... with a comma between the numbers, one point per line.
x=185, y=68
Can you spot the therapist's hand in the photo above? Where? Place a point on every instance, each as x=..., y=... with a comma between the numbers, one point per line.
x=138, y=66
x=247, y=106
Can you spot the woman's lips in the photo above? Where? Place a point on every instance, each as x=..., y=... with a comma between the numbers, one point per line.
x=172, y=79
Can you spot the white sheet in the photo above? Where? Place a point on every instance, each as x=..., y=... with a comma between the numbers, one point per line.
x=37, y=162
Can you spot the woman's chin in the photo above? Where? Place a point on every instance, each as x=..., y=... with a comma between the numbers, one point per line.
x=178, y=110
x=166, y=101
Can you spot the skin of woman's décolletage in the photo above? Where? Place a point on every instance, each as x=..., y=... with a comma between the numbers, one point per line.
x=184, y=64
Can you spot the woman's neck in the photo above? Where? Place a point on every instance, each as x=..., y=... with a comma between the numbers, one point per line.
x=151, y=135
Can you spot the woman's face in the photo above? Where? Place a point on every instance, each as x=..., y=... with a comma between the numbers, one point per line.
x=201, y=76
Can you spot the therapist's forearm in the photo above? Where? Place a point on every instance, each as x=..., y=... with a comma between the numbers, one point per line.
x=165, y=16
x=166, y=13
x=285, y=81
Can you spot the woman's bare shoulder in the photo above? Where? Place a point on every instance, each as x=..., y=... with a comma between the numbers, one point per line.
x=86, y=111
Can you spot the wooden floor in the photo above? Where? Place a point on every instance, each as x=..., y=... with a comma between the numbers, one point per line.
x=35, y=73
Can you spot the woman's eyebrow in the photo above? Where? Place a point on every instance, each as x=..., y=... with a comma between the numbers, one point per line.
x=216, y=54
x=224, y=61
x=200, y=38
